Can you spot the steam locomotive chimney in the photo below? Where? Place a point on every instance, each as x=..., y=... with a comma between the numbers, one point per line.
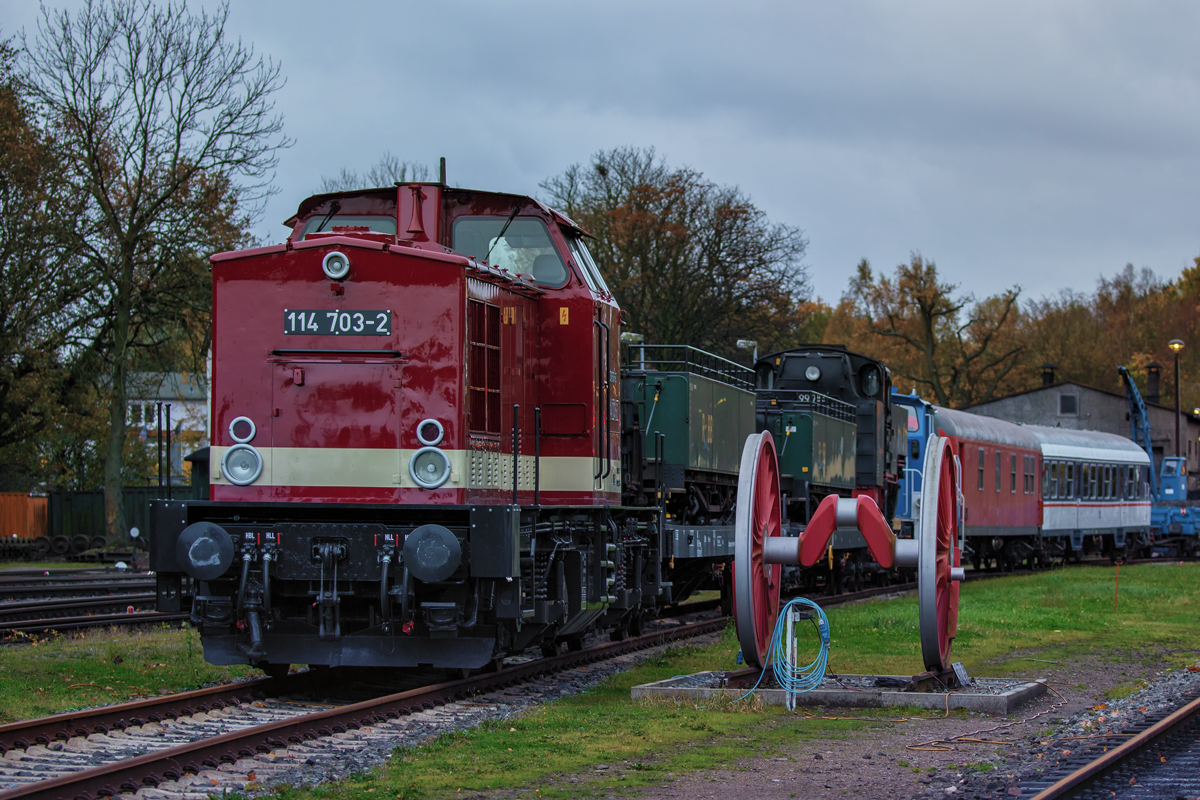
x=1153, y=382
x=1048, y=374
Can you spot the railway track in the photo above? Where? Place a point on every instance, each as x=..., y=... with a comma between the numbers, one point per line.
x=91, y=586
x=76, y=612
x=51, y=767
x=1161, y=759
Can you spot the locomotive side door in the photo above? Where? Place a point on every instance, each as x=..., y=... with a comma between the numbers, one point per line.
x=606, y=384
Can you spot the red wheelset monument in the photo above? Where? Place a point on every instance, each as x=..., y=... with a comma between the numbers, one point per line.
x=761, y=549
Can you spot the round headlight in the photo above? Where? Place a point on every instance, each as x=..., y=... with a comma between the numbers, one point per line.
x=812, y=373
x=336, y=265
x=242, y=430
x=241, y=465
x=430, y=432
x=429, y=467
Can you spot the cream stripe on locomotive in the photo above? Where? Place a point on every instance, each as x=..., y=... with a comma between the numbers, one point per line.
x=374, y=467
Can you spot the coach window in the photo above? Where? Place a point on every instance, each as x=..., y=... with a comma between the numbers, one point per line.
x=1069, y=474
x=524, y=249
x=981, y=469
x=1052, y=471
x=1093, y=481
x=999, y=469
x=1012, y=481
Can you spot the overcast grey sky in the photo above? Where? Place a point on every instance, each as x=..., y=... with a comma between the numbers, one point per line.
x=1033, y=143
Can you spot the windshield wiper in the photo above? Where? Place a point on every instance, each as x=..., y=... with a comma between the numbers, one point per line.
x=500, y=236
x=334, y=207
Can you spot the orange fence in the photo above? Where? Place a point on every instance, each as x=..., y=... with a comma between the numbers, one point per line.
x=22, y=516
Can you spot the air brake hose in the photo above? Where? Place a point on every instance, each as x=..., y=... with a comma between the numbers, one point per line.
x=266, y=575
x=241, y=594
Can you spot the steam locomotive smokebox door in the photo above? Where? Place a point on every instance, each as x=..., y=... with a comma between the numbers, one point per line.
x=495, y=542
x=339, y=421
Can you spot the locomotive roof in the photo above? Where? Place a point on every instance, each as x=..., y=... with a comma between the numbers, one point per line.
x=387, y=195
x=1072, y=444
x=985, y=429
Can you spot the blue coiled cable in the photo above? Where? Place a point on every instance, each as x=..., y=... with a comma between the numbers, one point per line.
x=790, y=676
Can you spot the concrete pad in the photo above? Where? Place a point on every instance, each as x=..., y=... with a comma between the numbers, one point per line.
x=984, y=695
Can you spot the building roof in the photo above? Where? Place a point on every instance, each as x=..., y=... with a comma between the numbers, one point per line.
x=1058, y=385
x=171, y=386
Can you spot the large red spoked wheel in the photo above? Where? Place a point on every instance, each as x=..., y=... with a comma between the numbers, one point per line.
x=755, y=582
x=938, y=552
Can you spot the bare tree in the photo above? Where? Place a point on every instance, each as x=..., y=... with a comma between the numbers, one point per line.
x=386, y=171
x=691, y=262
x=171, y=130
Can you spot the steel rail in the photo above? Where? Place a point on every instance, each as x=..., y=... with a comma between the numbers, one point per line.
x=12, y=609
x=93, y=621
x=150, y=769
x=1109, y=761
x=62, y=727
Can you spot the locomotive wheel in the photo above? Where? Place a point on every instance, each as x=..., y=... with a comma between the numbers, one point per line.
x=938, y=552
x=756, y=583
x=61, y=545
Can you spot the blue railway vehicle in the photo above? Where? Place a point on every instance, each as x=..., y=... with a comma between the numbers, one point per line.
x=1174, y=527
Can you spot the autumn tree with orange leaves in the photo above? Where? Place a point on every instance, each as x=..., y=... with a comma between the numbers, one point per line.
x=951, y=347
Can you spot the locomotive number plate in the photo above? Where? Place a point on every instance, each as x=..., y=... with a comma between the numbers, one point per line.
x=323, y=322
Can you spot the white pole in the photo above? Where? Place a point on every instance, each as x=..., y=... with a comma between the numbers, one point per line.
x=791, y=651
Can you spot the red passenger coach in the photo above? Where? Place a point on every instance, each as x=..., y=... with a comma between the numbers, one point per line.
x=1000, y=464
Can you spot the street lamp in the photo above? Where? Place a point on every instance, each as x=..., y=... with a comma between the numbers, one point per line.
x=749, y=344
x=1176, y=345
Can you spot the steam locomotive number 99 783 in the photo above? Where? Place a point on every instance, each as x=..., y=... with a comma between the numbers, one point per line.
x=323, y=322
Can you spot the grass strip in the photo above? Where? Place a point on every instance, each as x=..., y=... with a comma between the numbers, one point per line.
x=49, y=674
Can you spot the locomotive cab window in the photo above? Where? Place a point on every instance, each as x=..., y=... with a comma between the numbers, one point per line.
x=583, y=257
x=525, y=248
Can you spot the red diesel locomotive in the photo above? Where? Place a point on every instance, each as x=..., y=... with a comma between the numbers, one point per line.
x=415, y=454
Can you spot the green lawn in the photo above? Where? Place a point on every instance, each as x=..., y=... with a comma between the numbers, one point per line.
x=556, y=749
x=49, y=675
